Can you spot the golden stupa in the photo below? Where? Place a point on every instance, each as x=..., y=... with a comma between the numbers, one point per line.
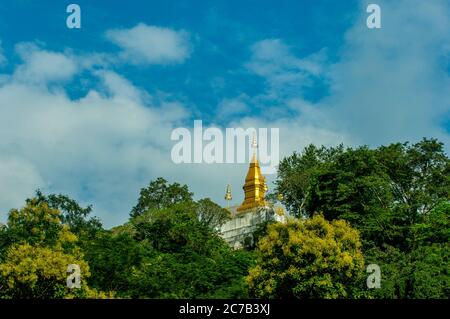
x=253, y=211
x=255, y=186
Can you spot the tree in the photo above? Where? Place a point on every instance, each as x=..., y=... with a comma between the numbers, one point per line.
x=211, y=214
x=310, y=258
x=175, y=229
x=35, y=224
x=296, y=173
x=72, y=214
x=185, y=257
x=422, y=271
x=39, y=272
x=159, y=194
x=4, y=240
x=112, y=258
x=37, y=250
x=382, y=192
x=434, y=227
x=429, y=272
x=188, y=275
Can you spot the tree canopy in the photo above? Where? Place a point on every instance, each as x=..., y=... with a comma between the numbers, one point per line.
x=37, y=249
x=383, y=191
x=397, y=196
x=349, y=207
x=160, y=194
x=310, y=258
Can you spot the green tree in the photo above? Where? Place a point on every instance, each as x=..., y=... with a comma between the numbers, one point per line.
x=296, y=174
x=421, y=273
x=211, y=214
x=112, y=258
x=40, y=272
x=383, y=192
x=173, y=229
x=187, y=259
x=37, y=249
x=5, y=240
x=310, y=258
x=219, y=274
x=159, y=194
x=72, y=214
x=434, y=227
x=429, y=272
x=35, y=224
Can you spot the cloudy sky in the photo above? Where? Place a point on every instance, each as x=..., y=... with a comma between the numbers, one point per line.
x=89, y=112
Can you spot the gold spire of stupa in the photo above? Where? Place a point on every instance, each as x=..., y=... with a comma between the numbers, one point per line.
x=255, y=184
x=228, y=196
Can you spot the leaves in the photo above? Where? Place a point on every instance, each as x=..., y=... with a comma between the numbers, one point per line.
x=211, y=214
x=389, y=206
x=159, y=194
x=187, y=258
x=36, y=251
x=72, y=214
x=382, y=192
x=312, y=258
x=38, y=272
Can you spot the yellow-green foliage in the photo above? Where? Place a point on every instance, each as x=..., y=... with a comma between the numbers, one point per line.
x=36, y=265
x=38, y=272
x=310, y=258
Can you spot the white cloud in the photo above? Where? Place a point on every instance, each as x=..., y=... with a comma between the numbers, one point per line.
x=119, y=87
x=42, y=66
x=274, y=56
x=232, y=107
x=151, y=45
x=103, y=147
x=19, y=179
x=285, y=73
x=99, y=149
x=387, y=85
x=390, y=84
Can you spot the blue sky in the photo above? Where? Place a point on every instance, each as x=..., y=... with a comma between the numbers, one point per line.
x=221, y=32
x=89, y=111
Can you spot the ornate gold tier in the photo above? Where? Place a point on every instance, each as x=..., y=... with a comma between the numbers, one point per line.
x=255, y=187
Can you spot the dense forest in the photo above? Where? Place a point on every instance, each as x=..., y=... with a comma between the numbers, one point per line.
x=348, y=208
